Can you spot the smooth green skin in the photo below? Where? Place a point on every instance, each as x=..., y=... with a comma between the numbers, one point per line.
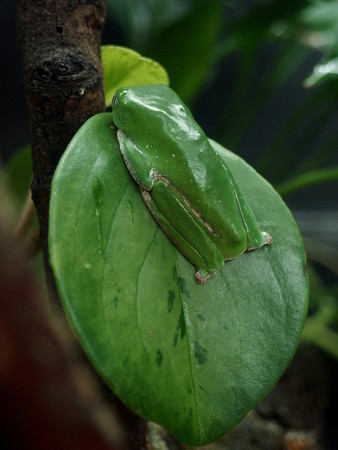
x=193, y=358
x=185, y=184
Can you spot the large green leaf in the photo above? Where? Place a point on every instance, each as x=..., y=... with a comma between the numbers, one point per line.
x=194, y=358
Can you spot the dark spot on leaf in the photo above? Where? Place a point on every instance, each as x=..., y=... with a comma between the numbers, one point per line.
x=115, y=301
x=200, y=353
x=200, y=317
x=184, y=290
x=171, y=298
x=189, y=391
x=125, y=361
x=159, y=357
x=174, y=273
x=225, y=327
x=201, y=387
x=238, y=402
x=180, y=328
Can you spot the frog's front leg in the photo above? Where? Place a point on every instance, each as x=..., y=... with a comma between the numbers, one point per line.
x=184, y=228
x=137, y=162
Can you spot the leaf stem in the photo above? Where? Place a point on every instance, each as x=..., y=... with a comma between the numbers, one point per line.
x=26, y=216
x=307, y=179
x=320, y=335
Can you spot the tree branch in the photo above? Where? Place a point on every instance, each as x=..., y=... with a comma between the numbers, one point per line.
x=60, y=42
x=63, y=77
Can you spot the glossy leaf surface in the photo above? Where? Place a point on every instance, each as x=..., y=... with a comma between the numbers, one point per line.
x=194, y=358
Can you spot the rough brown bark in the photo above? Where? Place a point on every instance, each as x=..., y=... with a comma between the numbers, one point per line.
x=63, y=77
x=60, y=42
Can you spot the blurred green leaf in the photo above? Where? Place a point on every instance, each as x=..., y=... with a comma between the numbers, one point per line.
x=124, y=67
x=327, y=71
x=193, y=358
x=321, y=14
x=18, y=174
x=320, y=335
x=263, y=22
x=288, y=150
x=186, y=48
x=140, y=21
x=320, y=19
x=307, y=179
x=244, y=102
x=321, y=328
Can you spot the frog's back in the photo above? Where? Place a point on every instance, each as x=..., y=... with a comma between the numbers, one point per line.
x=181, y=153
x=197, y=171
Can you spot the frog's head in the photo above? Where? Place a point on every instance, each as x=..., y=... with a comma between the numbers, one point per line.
x=144, y=107
x=132, y=109
x=123, y=110
x=153, y=110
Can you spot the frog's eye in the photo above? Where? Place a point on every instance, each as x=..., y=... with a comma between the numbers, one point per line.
x=114, y=102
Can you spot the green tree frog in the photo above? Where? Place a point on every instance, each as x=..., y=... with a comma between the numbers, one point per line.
x=184, y=182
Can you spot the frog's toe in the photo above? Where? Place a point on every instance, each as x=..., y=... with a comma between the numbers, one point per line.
x=201, y=277
x=268, y=238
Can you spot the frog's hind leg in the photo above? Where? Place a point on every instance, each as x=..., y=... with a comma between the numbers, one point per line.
x=137, y=162
x=255, y=237
x=182, y=227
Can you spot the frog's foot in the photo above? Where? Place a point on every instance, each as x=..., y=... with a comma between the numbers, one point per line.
x=202, y=277
x=266, y=240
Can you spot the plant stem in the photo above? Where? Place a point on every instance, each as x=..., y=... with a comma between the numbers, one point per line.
x=307, y=179
x=26, y=216
x=60, y=42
